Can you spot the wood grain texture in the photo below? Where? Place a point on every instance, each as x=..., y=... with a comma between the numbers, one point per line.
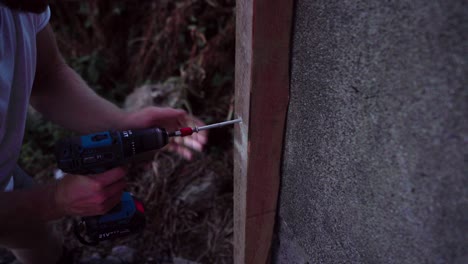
x=262, y=95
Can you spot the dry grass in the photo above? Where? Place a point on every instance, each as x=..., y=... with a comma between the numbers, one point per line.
x=119, y=45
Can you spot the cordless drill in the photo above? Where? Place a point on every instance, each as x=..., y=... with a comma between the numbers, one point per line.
x=99, y=152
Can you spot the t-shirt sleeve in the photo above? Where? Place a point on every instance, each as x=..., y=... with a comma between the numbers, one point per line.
x=42, y=20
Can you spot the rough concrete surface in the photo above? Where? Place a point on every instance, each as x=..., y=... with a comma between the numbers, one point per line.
x=375, y=163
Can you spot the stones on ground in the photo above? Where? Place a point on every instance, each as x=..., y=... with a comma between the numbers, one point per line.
x=200, y=190
x=119, y=255
x=178, y=260
x=123, y=253
x=167, y=94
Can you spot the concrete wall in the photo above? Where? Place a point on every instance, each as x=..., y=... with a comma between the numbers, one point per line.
x=376, y=153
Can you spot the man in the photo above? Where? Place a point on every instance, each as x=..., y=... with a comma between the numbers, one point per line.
x=33, y=71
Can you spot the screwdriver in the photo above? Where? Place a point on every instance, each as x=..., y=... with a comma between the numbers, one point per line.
x=187, y=131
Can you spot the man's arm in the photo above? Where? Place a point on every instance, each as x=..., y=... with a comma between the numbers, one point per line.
x=62, y=96
x=23, y=210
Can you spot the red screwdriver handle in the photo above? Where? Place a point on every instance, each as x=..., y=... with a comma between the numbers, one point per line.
x=186, y=131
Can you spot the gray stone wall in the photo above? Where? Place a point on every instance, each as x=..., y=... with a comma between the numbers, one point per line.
x=375, y=163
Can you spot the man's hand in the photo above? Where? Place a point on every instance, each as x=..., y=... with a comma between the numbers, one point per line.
x=169, y=119
x=89, y=195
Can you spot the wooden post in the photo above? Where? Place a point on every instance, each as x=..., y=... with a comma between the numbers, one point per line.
x=262, y=93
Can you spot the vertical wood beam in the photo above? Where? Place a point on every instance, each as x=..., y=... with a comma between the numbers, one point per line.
x=263, y=29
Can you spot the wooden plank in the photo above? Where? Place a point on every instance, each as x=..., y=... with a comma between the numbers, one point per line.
x=262, y=94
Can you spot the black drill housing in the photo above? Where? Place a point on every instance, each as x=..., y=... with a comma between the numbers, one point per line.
x=99, y=152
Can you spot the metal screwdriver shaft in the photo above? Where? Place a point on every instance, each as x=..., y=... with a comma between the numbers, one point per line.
x=187, y=131
x=219, y=124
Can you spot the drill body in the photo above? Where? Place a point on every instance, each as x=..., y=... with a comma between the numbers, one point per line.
x=97, y=153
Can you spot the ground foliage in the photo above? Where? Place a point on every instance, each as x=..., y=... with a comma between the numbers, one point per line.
x=119, y=45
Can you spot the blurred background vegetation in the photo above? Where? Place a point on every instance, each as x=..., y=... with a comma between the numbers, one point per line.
x=120, y=45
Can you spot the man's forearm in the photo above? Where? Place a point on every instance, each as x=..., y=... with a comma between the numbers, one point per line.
x=64, y=98
x=26, y=208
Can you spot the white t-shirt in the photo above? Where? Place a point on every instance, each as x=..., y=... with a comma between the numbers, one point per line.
x=17, y=70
